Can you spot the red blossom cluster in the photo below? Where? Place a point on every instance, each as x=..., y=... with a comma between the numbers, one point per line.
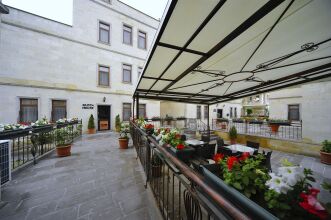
x=178, y=136
x=218, y=158
x=180, y=146
x=232, y=161
x=244, y=156
x=149, y=126
x=312, y=205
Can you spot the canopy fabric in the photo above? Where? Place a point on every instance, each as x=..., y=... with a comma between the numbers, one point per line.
x=213, y=51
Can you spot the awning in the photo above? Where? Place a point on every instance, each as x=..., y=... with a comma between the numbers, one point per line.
x=214, y=51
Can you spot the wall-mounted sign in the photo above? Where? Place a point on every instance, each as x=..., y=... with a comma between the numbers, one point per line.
x=87, y=106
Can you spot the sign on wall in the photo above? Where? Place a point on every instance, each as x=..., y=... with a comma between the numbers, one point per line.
x=87, y=106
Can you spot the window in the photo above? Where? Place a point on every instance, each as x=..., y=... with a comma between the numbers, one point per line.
x=127, y=69
x=231, y=112
x=28, y=110
x=235, y=112
x=127, y=34
x=198, y=112
x=142, y=40
x=104, y=32
x=140, y=70
x=103, y=75
x=127, y=111
x=107, y=1
x=59, y=109
x=294, y=112
x=142, y=110
x=206, y=113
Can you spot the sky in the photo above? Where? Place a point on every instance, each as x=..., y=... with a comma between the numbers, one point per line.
x=61, y=10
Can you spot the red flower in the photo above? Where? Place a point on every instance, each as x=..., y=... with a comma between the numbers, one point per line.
x=159, y=130
x=244, y=156
x=218, y=157
x=312, y=205
x=167, y=130
x=231, y=161
x=180, y=146
x=178, y=136
x=149, y=126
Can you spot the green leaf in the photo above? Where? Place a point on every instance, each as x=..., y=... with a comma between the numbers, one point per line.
x=245, y=180
x=237, y=185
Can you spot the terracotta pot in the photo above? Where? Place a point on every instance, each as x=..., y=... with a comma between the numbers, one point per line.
x=274, y=127
x=325, y=157
x=124, y=143
x=91, y=131
x=156, y=170
x=63, y=151
x=233, y=141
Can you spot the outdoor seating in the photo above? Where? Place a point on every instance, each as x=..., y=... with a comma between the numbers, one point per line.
x=205, y=138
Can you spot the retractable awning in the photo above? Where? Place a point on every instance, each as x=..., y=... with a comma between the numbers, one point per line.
x=213, y=51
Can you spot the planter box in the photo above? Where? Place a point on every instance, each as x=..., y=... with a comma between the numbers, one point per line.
x=184, y=155
x=256, y=122
x=10, y=134
x=61, y=125
x=238, y=121
x=325, y=157
x=246, y=205
x=280, y=123
x=180, y=119
x=42, y=129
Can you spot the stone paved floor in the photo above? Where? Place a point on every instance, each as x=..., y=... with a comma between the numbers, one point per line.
x=98, y=181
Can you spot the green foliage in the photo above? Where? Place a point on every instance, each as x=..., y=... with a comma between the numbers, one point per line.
x=62, y=137
x=125, y=130
x=326, y=146
x=91, y=124
x=286, y=163
x=117, y=122
x=233, y=133
x=249, y=176
x=141, y=122
x=249, y=111
x=275, y=121
x=326, y=186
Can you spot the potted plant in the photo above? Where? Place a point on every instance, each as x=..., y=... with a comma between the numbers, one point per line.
x=156, y=163
x=117, y=123
x=274, y=124
x=124, y=138
x=326, y=152
x=91, y=125
x=233, y=135
x=149, y=128
x=249, y=111
x=63, y=142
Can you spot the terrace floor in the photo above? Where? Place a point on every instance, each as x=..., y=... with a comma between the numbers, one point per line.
x=98, y=181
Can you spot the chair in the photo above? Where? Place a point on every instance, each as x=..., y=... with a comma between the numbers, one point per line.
x=206, y=151
x=268, y=160
x=205, y=138
x=224, y=150
x=220, y=142
x=183, y=137
x=253, y=145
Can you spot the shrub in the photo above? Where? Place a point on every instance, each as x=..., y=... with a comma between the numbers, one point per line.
x=91, y=124
x=326, y=146
x=117, y=122
x=249, y=111
x=233, y=133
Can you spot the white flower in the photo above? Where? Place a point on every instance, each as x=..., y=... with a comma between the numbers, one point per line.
x=278, y=184
x=291, y=175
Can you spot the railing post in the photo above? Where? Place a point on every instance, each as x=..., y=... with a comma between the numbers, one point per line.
x=208, y=126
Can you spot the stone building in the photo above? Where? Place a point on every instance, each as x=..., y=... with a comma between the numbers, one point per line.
x=56, y=70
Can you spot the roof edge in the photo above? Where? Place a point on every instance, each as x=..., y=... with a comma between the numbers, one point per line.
x=3, y=9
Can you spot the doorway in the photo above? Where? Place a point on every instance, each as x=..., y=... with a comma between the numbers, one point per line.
x=103, y=117
x=219, y=113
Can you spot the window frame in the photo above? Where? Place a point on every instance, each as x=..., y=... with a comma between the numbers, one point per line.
x=98, y=72
x=52, y=110
x=131, y=36
x=199, y=111
x=299, y=112
x=126, y=103
x=205, y=112
x=20, y=110
x=126, y=82
x=99, y=32
x=145, y=108
x=139, y=73
x=143, y=32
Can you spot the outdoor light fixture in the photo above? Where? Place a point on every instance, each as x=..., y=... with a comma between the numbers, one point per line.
x=104, y=99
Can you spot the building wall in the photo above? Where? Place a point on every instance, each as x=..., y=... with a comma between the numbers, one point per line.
x=50, y=60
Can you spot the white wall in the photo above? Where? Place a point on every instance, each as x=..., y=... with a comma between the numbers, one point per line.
x=174, y=109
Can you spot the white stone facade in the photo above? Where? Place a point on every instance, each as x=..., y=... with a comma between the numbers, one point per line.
x=47, y=60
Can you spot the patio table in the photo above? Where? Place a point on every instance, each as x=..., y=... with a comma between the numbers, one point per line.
x=240, y=148
x=194, y=142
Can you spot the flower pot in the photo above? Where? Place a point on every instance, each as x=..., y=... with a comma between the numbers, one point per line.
x=124, y=143
x=325, y=157
x=274, y=127
x=156, y=170
x=233, y=141
x=91, y=131
x=63, y=150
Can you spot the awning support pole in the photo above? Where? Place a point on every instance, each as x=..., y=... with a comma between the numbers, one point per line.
x=137, y=105
x=208, y=125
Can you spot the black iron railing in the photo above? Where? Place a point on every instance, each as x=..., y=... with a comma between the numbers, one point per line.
x=291, y=131
x=29, y=144
x=180, y=192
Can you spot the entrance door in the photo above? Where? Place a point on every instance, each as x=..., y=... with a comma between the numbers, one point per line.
x=219, y=113
x=103, y=117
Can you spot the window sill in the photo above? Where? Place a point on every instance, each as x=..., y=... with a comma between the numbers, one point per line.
x=101, y=42
x=101, y=86
x=129, y=83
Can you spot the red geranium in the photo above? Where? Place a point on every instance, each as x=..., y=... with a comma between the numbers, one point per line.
x=149, y=126
x=180, y=146
x=167, y=130
x=178, y=136
x=218, y=157
x=231, y=161
x=312, y=205
x=244, y=156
